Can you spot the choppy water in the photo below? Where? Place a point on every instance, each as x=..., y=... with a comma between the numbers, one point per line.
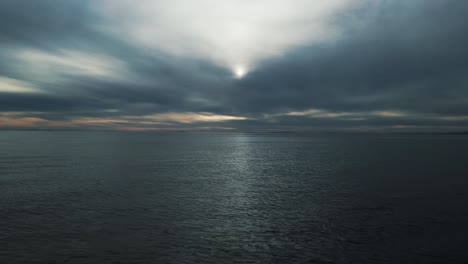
x=99, y=197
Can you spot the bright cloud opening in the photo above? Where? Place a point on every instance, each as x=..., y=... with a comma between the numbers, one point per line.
x=227, y=32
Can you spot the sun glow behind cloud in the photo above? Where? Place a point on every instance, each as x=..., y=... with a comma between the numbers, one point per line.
x=240, y=71
x=229, y=32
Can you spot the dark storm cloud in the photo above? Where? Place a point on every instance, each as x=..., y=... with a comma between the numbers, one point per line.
x=44, y=22
x=37, y=102
x=408, y=58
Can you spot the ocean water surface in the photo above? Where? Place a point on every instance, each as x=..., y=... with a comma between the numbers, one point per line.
x=115, y=197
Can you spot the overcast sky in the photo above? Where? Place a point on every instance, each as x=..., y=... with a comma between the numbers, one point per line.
x=240, y=65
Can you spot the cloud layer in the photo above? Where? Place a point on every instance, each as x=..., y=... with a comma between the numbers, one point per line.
x=244, y=65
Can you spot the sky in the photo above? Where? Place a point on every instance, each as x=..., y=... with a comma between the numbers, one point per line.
x=234, y=65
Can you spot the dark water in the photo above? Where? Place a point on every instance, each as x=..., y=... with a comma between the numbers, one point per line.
x=98, y=197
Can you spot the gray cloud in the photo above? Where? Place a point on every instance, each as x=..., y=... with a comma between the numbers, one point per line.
x=396, y=65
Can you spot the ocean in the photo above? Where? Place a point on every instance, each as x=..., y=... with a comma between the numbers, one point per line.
x=187, y=197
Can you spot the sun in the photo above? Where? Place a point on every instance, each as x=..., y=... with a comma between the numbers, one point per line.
x=239, y=71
